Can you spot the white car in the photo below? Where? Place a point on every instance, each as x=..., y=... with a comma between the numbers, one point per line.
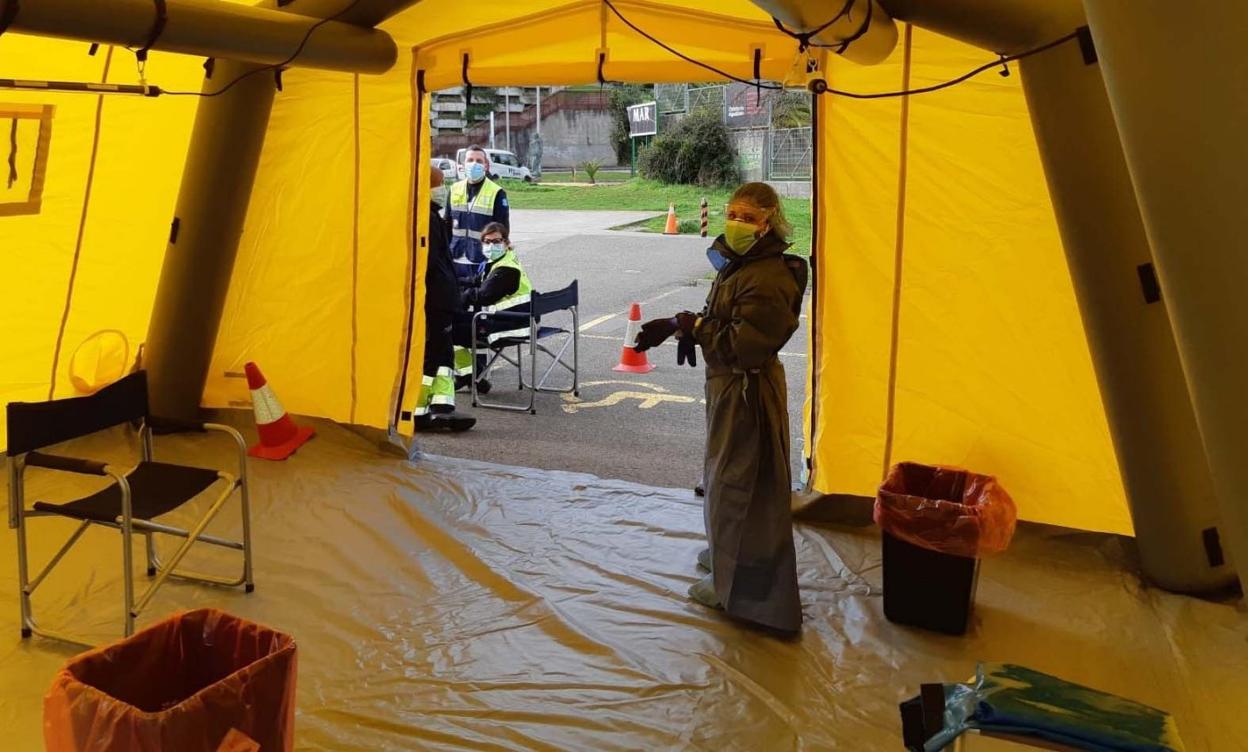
x=503, y=164
x=447, y=166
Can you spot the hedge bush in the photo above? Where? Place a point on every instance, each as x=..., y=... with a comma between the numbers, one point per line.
x=698, y=150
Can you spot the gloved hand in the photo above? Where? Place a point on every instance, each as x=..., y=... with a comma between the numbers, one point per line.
x=653, y=333
x=685, y=321
x=687, y=350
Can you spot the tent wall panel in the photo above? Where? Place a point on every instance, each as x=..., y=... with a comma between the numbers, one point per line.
x=38, y=249
x=992, y=365
x=387, y=127
x=994, y=369
x=135, y=184
x=858, y=172
x=125, y=225
x=289, y=306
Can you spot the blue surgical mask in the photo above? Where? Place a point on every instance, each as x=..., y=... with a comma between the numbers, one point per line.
x=493, y=251
x=475, y=172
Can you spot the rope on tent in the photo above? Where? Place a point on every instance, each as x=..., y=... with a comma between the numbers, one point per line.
x=804, y=37
x=276, y=66
x=862, y=29
x=683, y=56
x=821, y=86
x=463, y=74
x=158, y=28
x=13, y=154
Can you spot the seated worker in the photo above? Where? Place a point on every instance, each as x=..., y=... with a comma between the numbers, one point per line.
x=503, y=286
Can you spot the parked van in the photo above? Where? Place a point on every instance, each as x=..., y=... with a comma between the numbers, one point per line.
x=447, y=167
x=503, y=164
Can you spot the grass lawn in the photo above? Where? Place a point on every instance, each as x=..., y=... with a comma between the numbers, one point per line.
x=566, y=176
x=648, y=195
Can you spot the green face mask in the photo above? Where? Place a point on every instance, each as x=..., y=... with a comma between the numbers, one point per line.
x=740, y=236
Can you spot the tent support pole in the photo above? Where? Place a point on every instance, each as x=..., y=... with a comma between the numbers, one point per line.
x=1180, y=105
x=224, y=30
x=208, y=222
x=1160, y=455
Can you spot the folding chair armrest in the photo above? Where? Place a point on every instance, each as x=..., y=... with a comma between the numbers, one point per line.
x=503, y=316
x=67, y=464
x=172, y=425
x=239, y=440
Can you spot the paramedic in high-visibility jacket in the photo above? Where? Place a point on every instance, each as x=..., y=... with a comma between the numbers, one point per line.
x=474, y=202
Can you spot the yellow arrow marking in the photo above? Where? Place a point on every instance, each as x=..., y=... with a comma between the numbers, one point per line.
x=648, y=400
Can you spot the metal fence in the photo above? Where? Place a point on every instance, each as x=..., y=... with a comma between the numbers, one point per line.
x=705, y=97
x=672, y=97
x=766, y=153
x=791, y=154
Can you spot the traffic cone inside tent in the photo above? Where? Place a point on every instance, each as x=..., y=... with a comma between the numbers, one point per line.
x=632, y=361
x=672, y=227
x=279, y=436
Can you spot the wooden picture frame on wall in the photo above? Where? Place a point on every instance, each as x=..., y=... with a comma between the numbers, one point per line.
x=10, y=116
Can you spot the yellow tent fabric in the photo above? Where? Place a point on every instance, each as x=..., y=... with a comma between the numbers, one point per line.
x=992, y=368
x=90, y=258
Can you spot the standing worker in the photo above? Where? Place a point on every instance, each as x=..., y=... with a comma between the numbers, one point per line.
x=435, y=408
x=474, y=202
x=750, y=313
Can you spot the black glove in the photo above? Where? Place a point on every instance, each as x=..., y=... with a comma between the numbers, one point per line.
x=685, y=322
x=686, y=350
x=653, y=333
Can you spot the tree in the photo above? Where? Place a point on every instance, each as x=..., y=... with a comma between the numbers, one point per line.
x=620, y=98
x=484, y=101
x=790, y=109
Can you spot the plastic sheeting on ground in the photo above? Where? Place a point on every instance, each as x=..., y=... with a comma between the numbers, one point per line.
x=458, y=605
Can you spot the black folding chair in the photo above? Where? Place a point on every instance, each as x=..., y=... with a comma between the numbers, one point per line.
x=130, y=502
x=540, y=305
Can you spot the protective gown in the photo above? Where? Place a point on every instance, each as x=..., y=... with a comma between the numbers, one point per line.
x=751, y=312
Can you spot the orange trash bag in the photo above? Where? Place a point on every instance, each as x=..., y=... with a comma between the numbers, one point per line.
x=199, y=681
x=946, y=509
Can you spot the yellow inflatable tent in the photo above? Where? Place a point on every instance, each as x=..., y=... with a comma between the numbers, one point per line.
x=946, y=328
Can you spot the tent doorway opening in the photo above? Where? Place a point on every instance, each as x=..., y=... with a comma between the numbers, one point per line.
x=592, y=208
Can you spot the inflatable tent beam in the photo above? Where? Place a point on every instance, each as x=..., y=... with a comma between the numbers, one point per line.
x=212, y=29
x=1178, y=97
x=858, y=30
x=220, y=171
x=1160, y=455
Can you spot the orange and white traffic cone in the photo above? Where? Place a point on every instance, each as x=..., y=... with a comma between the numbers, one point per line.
x=279, y=436
x=632, y=361
x=672, y=227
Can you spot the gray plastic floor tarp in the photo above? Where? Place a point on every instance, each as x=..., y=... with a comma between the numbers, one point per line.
x=448, y=604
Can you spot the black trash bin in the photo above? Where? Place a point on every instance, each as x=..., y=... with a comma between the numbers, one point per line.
x=928, y=589
x=937, y=522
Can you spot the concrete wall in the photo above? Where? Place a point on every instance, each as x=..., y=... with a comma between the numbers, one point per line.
x=751, y=153
x=569, y=138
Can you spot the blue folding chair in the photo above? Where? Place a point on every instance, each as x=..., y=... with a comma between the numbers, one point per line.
x=539, y=340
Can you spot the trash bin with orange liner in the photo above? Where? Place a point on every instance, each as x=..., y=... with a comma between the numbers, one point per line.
x=199, y=681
